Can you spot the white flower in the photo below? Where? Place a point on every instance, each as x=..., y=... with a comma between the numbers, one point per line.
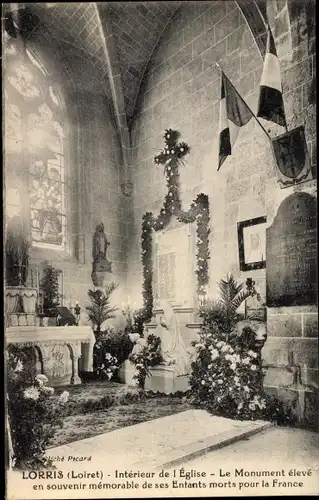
x=246, y=388
x=167, y=137
x=219, y=381
x=252, y=354
x=213, y=384
x=236, y=379
x=172, y=152
x=246, y=361
x=253, y=367
x=252, y=406
x=218, y=399
x=108, y=355
x=214, y=354
x=203, y=382
x=19, y=366
x=64, y=397
x=46, y=389
x=225, y=348
x=233, y=366
x=239, y=406
x=42, y=379
x=31, y=393
x=209, y=366
x=181, y=149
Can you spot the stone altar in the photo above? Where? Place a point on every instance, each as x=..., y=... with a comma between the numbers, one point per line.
x=61, y=353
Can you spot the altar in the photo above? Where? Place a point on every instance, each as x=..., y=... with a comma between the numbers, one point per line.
x=60, y=353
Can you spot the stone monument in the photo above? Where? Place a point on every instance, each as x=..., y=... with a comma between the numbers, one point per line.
x=291, y=250
x=290, y=354
x=101, y=265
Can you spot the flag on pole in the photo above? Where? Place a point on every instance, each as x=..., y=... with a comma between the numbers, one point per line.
x=271, y=104
x=233, y=114
x=12, y=20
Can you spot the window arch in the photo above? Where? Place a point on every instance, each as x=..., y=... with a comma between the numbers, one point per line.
x=34, y=132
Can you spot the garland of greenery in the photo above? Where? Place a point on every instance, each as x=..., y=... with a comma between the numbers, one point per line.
x=171, y=157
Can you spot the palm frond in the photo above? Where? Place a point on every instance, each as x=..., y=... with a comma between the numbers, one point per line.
x=239, y=299
x=229, y=289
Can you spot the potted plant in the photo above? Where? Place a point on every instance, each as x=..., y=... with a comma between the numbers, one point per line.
x=49, y=289
x=19, y=297
x=100, y=309
x=223, y=312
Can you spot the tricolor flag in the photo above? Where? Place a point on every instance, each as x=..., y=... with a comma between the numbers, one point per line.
x=233, y=114
x=12, y=20
x=271, y=104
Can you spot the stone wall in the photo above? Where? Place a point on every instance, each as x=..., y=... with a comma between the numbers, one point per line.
x=181, y=90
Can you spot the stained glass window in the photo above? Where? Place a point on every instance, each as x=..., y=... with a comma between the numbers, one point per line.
x=34, y=130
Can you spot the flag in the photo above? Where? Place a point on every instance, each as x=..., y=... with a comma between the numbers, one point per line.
x=12, y=21
x=233, y=114
x=270, y=103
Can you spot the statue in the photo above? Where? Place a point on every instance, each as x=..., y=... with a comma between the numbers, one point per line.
x=174, y=352
x=100, y=244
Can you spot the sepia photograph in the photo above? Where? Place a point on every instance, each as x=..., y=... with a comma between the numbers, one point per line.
x=160, y=249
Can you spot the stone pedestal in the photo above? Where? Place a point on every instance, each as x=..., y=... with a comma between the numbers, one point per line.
x=100, y=270
x=164, y=379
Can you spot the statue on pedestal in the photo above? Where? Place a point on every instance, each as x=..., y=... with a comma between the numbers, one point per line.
x=100, y=244
x=173, y=349
x=101, y=264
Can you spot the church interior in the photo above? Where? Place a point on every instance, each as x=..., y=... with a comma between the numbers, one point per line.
x=95, y=95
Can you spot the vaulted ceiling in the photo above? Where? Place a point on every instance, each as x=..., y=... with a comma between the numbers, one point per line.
x=118, y=40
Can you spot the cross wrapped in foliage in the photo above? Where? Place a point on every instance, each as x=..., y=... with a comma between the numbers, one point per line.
x=173, y=151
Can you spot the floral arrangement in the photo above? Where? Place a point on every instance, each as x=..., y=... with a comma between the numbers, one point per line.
x=171, y=157
x=227, y=379
x=116, y=344
x=34, y=412
x=149, y=355
x=108, y=367
x=227, y=374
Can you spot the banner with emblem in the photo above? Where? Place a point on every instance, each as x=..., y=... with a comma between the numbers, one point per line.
x=291, y=155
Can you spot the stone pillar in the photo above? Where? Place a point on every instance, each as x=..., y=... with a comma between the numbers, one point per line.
x=76, y=355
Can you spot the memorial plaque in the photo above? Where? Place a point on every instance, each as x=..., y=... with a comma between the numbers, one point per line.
x=173, y=272
x=291, y=249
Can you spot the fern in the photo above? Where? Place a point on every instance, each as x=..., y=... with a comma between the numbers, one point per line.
x=100, y=309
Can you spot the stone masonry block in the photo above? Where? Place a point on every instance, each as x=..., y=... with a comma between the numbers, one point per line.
x=310, y=377
x=214, y=54
x=305, y=351
x=297, y=75
x=204, y=42
x=280, y=377
x=195, y=29
x=228, y=24
x=284, y=325
x=310, y=325
x=192, y=69
x=233, y=41
x=311, y=410
x=275, y=352
x=215, y=14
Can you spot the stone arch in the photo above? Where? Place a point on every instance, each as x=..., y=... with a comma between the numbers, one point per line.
x=255, y=15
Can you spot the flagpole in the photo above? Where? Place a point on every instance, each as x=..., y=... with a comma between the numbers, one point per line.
x=261, y=126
